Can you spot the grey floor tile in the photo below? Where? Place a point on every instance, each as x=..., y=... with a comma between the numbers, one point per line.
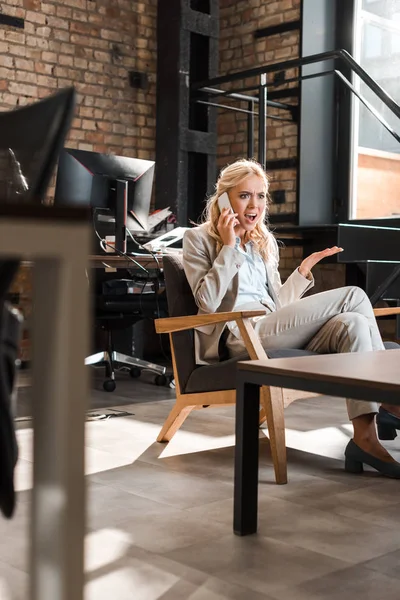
x=23, y=475
x=13, y=583
x=325, y=532
x=160, y=516
x=355, y=583
x=124, y=573
x=220, y=512
x=314, y=493
x=166, y=531
x=322, y=463
x=129, y=578
x=14, y=538
x=109, y=506
x=326, y=463
x=158, y=483
x=217, y=589
x=387, y=516
x=215, y=464
x=315, y=413
x=345, y=494
x=260, y=564
x=387, y=564
x=304, y=488
x=364, y=502
x=128, y=392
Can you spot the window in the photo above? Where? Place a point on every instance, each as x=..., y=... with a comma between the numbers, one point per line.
x=372, y=42
x=396, y=35
x=376, y=153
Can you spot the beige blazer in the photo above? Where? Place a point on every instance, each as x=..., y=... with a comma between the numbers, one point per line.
x=214, y=280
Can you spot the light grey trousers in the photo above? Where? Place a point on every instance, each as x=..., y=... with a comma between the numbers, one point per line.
x=339, y=320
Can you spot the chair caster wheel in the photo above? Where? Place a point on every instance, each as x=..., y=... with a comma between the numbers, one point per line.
x=160, y=380
x=109, y=385
x=135, y=372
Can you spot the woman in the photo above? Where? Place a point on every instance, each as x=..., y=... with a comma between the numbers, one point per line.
x=231, y=263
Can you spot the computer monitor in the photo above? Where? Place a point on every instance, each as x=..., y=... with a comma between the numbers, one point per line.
x=105, y=181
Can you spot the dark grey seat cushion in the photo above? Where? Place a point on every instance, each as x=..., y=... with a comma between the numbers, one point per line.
x=391, y=345
x=221, y=376
x=180, y=303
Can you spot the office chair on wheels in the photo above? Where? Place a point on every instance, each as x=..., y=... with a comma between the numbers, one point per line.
x=118, y=311
x=115, y=188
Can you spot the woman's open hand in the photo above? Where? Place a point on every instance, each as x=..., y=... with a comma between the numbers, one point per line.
x=226, y=227
x=314, y=258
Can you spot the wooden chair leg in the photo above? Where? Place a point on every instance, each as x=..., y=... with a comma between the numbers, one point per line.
x=173, y=422
x=272, y=402
x=263, y=416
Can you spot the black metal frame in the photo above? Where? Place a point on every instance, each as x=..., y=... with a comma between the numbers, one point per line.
x=345, y=18
x=277, y=29
x=186, y=137
x=248, y=384
x=10, y=21
x=301, y=62
x=348, y=65
x=207, y=87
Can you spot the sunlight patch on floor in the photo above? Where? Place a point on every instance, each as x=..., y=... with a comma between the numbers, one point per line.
x=329, y=441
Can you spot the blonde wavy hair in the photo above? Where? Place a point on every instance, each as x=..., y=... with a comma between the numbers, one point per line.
x=231, y=176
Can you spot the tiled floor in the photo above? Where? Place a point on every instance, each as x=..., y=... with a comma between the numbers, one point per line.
x=160, y=517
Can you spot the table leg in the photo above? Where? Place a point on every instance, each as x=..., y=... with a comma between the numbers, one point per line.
x=246, y=457
x=60, y=396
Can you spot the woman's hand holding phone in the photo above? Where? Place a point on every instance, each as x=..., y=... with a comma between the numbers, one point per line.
x=226, y=222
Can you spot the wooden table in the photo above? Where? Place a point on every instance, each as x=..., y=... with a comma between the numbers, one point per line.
x=362, y=376
x=56, y=241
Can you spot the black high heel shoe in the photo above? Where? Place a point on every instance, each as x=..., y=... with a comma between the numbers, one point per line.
x=356, y=458
x=387, y=424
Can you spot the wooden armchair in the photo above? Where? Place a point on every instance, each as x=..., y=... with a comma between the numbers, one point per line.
x=204, y=386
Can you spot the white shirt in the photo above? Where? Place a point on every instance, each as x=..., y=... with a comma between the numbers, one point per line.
x=253, y=284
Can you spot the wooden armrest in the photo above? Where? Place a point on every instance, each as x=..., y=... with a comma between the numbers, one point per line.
x=173, y=324
x=252, y=343
x=383, y=312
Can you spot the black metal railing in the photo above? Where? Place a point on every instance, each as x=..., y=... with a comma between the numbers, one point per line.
x=202, y=88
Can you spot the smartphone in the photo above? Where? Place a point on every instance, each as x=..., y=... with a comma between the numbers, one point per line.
x=223, y=202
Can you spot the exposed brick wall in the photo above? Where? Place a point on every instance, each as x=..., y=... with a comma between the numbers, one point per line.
x=91, y=44
x=239, y=50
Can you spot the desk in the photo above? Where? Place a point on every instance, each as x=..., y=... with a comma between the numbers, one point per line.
x=57, y=242
x=100, y=261
x=124, y=347
x=363, y=376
